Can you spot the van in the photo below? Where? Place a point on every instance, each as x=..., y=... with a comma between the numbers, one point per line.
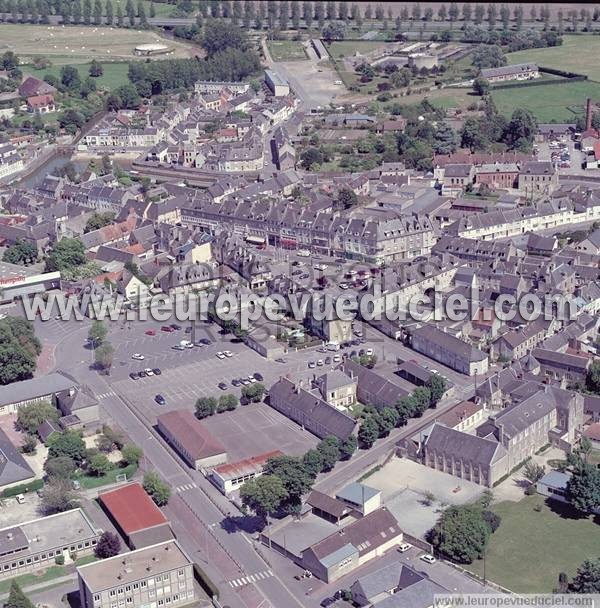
x=332, y=346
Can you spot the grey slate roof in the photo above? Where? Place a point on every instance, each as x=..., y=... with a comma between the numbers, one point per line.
x=35, y=388
x=13, y=467
x=357, y=493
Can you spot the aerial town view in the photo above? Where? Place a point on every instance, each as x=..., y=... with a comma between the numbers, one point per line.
x=299, y=304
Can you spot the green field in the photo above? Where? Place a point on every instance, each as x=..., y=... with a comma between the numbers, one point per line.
x=80, y=44
x=577, y=54
x=115, y=74
x=559, y=102
x=531, y=548
x=348, y=48
x=286, y=50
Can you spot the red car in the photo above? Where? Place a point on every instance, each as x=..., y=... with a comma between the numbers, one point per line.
x=150, y=332
x=167, y=328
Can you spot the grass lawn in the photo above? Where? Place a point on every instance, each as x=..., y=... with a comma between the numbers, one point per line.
x=286, y=50
x=348, y=48
x=115, y=74
x=89, y=482
x=577, y=54
x=80, y=44
x=531, y=548
x=560, y=102
x=34, y=579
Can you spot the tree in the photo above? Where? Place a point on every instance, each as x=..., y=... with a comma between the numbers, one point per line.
x=206, y=406
x=481, y=86
x=334, y=31
x=587, y=579
x=131, y=453
x=263, y=495
x=583, y=487
x=29, y=444
x=295, y=477
x=221, y=36
x=446, y=140
x=437, y=387
x=310, y=158
x=461, y=534
x=99, y=465
x=96, y=70
x=67, y=443
x=104, y=355
x=21, y=252
x=31, y=415
x=488, y=56
x=99, y=220
x=67, y=254
x=522, y=127
x=156, y=488
x=62, y=467
x=58, y=496
x=227, y=403
x=533, y=472
x=129, y=96
x=109, y=545
x=109, y=12
x=422, y=399
x=69, y=77
x=368, y=432
x=347, y=198
x=255, y=392
x=592, y=381
x=348, y=446
x=313, y=461
x=330, y=452
x=97, y=332
x=16, y=597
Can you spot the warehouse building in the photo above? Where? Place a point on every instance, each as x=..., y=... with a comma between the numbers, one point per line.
x=136, y=516
x=278, y=85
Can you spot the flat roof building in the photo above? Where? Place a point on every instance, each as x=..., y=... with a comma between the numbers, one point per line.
x=136, y=516
x=159, y=575
x=193, y=441
x=278, y=85
x=35, y=544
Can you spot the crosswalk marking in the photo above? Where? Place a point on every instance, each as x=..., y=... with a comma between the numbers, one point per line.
x=250, y=578
x=106, y=395
x=186, y=486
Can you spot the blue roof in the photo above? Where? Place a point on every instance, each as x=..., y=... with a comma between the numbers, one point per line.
x=357, y=493
x=348, y=550
x=555, y=479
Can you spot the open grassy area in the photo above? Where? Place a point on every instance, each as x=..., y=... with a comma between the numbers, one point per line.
x=577, y=54
x=27, y=580
x=89, y=481
x=531, y=548
x=286, y=50
x=115, y=74
x=348, y=48
x=560, y=102
x=80, y=44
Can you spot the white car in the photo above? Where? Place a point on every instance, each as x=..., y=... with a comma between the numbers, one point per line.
x=337, y=82
x=434, y=371
x=337, y=359
x=149, y=372
x=220, y=355
x=428, y=558
x=320, y=362
x=137, y=357
x=252, y=379
x=311, y=364
x=245, y=381
x=369, y=352
x=403, y=547
x=228, y=353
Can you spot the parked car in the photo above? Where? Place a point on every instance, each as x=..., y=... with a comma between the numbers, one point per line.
x=228, y=353
x=245, y=381
x=244, y=400
x=157, y=371
x=236, y=382
x=134, y=376
x=160, y=400
x=369, y=352
x=188, y=330
x=427, y=558
x=311, y=364
x=222, y=386
x=320, y=362
x=336, y=359
x=137, y=356
x=327, y=360
x=178, y=347
x=403, y=547
x=258, y=376
x=142, y=374
x=149, y=372
x=150, y=332
x=251, y=379
x=220, y=355
x=167, y=328
x=205, y=341
x=175, y=327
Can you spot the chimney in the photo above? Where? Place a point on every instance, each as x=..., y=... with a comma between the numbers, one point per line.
x=588, y=114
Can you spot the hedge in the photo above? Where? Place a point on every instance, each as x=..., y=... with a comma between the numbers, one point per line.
x=536, y=83
x=205, y=582
x=32, y=486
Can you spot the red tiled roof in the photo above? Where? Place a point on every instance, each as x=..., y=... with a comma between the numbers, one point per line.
x=195, y=438
x=593, y=431
x=254, y=464
x=40, y=101
x=132, y=508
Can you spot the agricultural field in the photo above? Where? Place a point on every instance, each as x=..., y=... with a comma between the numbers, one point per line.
x=533, y=530
x=577, y=54
x=286, y=50
x=79, y=44
x=556, y=102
